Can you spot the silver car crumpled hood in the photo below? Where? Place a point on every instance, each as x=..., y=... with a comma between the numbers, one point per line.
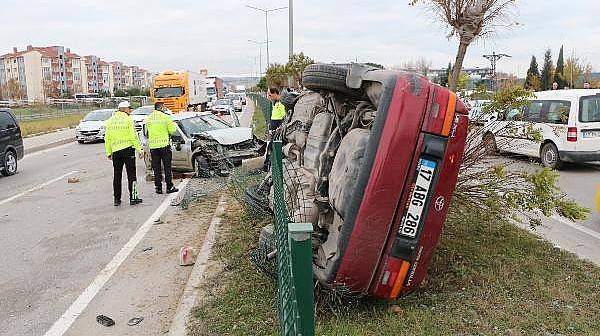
x=231, y=136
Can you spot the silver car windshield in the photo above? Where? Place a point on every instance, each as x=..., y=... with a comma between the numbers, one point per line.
x=201, y=124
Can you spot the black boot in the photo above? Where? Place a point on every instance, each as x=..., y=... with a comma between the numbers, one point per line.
x=172, y=190
x=135, y=201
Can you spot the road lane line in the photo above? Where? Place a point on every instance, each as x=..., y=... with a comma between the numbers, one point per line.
x=577, y=227
x=190, y=293
x=41, y=186
x=68, y=318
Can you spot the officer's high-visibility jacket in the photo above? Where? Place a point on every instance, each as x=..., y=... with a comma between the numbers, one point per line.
x=120, y=134
x=159, y=127
x=278, y=111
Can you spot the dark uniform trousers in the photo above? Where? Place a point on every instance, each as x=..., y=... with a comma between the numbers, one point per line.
x=119, y=158
x=161, y=158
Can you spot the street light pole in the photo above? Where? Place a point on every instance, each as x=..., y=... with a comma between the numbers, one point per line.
x=259, y=52
x=266, y=11
x=291, y=29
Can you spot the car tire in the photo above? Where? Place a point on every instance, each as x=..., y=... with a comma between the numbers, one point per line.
x=550, y=157
x=10, y=163
x=200, y=166
x=327, y=77
x=489, y=142
x=80, y=141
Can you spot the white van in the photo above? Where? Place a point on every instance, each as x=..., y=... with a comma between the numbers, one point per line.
x=567, y=120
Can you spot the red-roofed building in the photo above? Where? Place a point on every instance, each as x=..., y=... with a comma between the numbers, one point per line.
x=38, y=73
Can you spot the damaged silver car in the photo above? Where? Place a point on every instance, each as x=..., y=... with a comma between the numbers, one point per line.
x=206, y=145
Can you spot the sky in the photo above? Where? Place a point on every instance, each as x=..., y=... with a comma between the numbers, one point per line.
x=196, y=34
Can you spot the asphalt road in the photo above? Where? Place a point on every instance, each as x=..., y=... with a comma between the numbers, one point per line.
x=56, y=236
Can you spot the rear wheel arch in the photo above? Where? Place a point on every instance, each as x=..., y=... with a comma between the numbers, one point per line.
x=546, y=147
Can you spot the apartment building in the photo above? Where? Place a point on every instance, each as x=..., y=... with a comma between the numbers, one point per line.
x=38, y=73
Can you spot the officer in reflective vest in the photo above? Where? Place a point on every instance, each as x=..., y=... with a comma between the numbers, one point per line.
x=277, y=116
x=159, y=128
x=120, y=143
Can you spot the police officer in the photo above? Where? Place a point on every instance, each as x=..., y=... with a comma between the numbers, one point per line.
x=159, y=128
x=121, y=142
x=277, y=116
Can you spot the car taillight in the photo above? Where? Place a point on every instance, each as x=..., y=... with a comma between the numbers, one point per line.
x=392, y=278
x=440, y=115
x=449, y=117
x=572, y=134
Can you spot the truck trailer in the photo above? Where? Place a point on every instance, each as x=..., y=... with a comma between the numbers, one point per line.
x=181, y=90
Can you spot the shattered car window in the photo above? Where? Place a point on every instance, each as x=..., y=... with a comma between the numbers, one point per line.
x=200, y=124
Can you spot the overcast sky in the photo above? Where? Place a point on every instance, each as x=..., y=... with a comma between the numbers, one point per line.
x=194, y=34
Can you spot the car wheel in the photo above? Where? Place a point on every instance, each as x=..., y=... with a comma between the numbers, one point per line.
x=489, y=142
x=328, y=77
x=549, y=156
x=10, y=164
x=201, y=167
x=80, y=141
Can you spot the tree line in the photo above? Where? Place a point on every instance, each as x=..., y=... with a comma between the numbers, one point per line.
x=571, y=73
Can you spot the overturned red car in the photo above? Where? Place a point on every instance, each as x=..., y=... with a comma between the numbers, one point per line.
x=372, y=158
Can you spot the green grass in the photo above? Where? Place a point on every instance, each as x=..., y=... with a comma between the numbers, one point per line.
x=43, y=109
x=487, y=278
x=50, y=124
x=258, y=120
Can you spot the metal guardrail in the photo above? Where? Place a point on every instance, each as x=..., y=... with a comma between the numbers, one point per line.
x=295, y=297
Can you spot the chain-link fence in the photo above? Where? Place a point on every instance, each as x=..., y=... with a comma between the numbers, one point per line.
x=294, y=260
x=263, y=103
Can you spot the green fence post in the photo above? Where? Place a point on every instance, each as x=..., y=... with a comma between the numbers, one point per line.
x=299, y=239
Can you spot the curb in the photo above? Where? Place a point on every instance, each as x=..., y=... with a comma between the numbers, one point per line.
x=190, y=293
x=47, y=146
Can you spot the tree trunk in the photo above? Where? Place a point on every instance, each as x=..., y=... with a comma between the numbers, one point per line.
x=460, y=56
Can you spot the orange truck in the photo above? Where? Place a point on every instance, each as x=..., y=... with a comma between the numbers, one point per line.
x=181, y=91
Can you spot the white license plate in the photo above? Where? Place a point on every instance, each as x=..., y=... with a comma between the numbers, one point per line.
x=413, y=218
x=591, y=134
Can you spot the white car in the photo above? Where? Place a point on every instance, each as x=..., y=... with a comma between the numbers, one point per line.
x=93, y=126
x=140, y=114
x=477, y=114
x=224, y=110
x=205, y=144
x=567, y=120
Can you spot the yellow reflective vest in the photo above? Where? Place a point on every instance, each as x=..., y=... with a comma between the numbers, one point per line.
x=159, y=127
x=278, y=111
x=120, y=134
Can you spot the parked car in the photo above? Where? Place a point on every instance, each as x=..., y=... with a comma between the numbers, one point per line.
x=207, y=145
x=478, y=115
x=93, y=126
x=371, y=159
x=567, y=120
x=11, y=142
x=237, y=99
x=140, y=114
x=224, y=109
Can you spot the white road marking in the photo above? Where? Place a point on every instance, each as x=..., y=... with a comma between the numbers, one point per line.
x=38, y=187
x=68, y=318
x=34, y=154
x=188, y=299
x=577, y=227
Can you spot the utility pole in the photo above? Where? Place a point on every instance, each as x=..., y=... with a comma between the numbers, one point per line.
x=493, y=58
x=266, y=11
x=291, y=29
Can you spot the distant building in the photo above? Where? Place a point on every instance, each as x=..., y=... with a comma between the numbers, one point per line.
x=55, y=71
